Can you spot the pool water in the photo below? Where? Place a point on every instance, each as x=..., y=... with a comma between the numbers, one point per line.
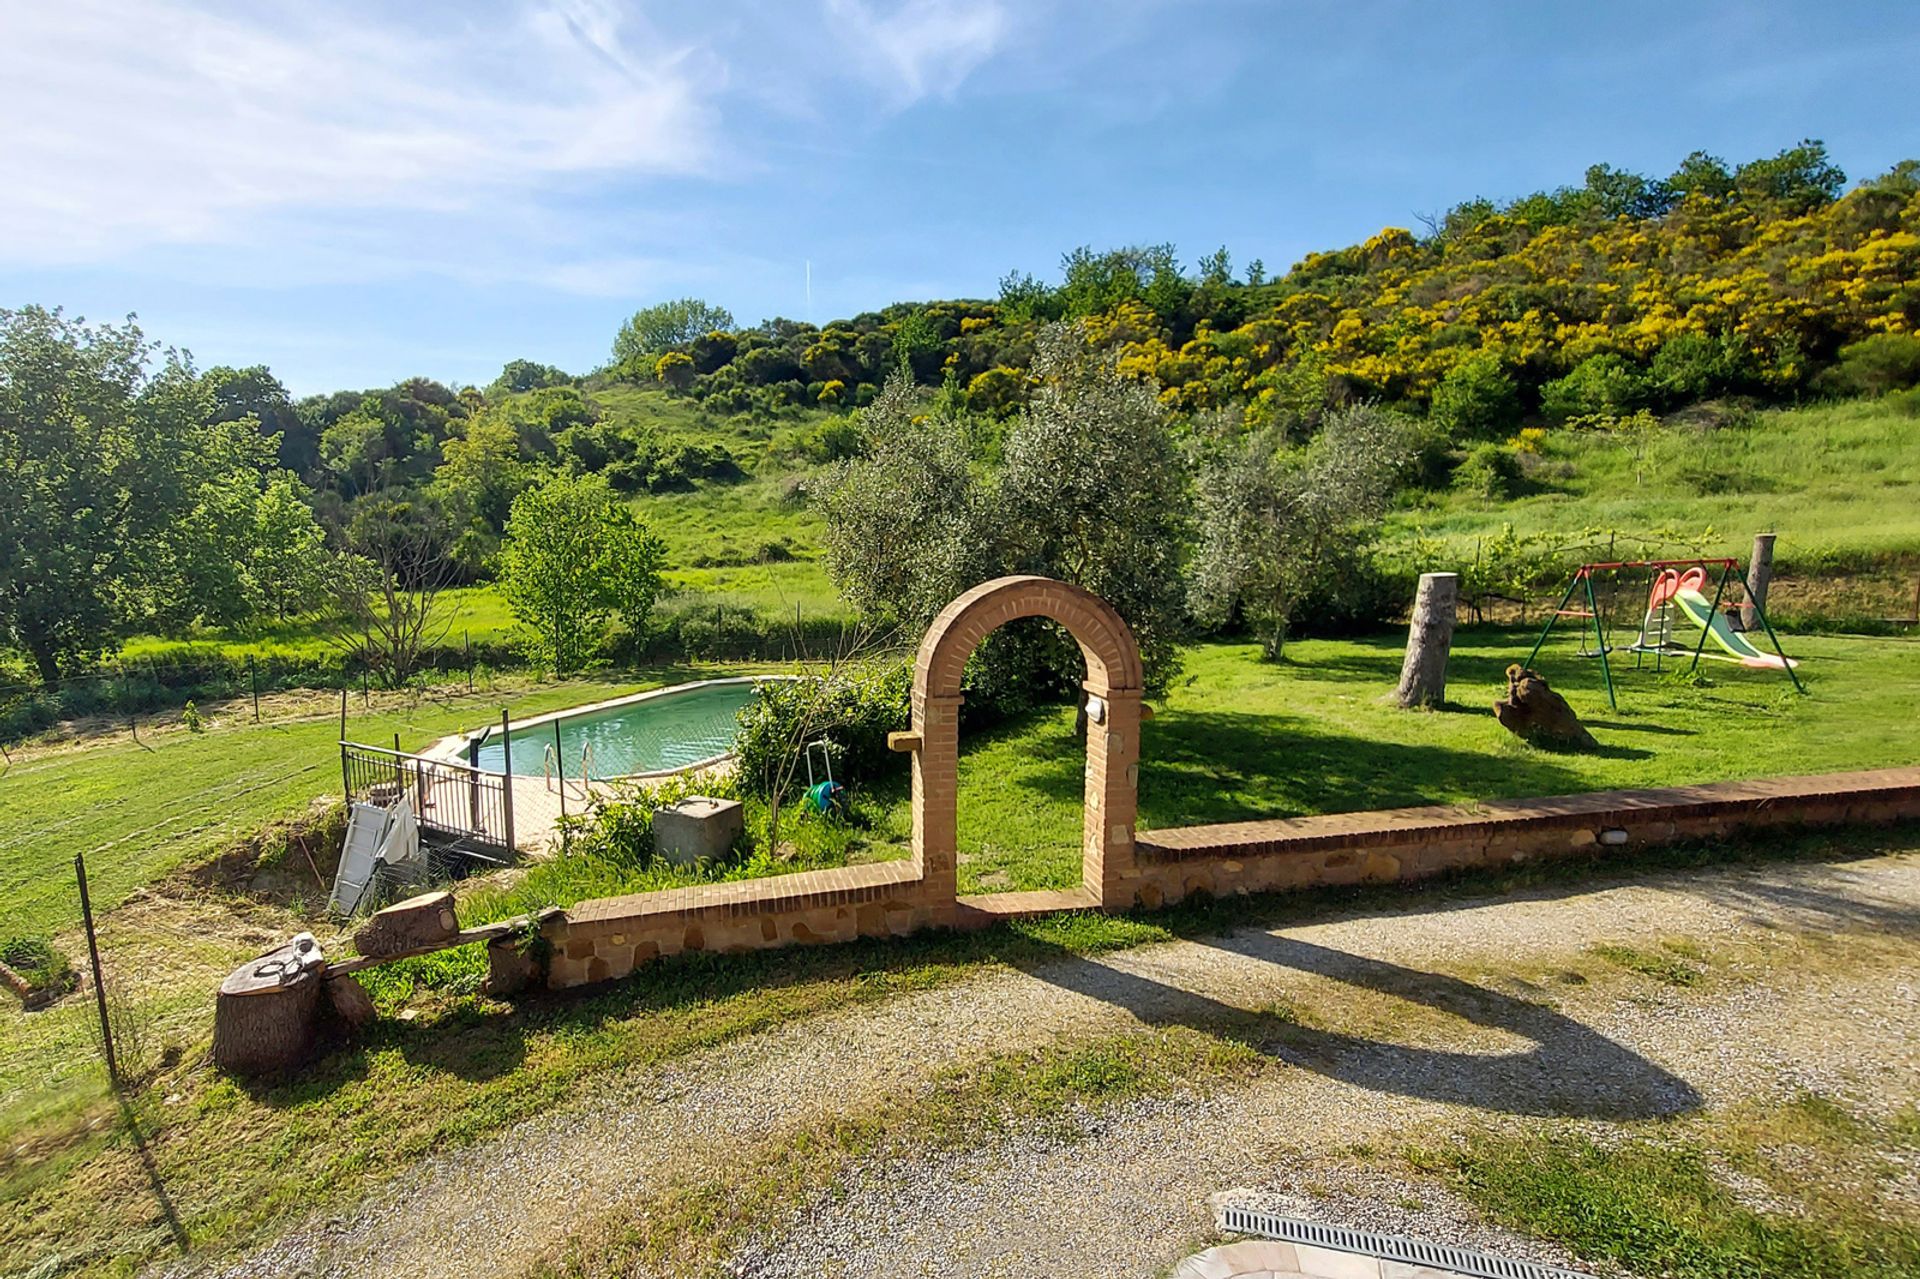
x=674, y=730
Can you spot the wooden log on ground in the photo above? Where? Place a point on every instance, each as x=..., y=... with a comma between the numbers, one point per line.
x=1423, y=675
x=418, y=923
x=267, y=1015
x=349, y=1000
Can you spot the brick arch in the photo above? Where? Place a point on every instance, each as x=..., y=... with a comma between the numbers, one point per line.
x=1113, y=743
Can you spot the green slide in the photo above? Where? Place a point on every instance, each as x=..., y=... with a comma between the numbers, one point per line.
x=1739, y=647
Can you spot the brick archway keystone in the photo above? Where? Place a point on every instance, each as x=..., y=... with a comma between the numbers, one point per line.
x=1113, y=733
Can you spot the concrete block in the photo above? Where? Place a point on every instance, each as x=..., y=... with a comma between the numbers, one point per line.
x=697, y=829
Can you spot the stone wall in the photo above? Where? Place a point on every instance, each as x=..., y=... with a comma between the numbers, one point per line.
x=609, y=937
x=1415, y=843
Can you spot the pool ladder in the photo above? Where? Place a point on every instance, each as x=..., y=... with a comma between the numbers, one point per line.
x=552, y=766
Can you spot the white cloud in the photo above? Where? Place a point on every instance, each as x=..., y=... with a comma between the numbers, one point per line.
x=923, y=47
x=132, y=122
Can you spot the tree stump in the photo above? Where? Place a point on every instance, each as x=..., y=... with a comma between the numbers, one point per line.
x=267, y=1014
x=1423, y=675
x=418, y=923
x=1759, y=577
x=1533, y=711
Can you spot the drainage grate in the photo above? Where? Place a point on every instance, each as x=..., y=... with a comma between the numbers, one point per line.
x=1418, y=1252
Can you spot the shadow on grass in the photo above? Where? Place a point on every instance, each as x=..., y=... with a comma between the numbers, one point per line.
x=1057, y=949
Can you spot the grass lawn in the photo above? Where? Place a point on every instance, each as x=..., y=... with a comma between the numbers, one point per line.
x=1237, y=738
x=1242, y=738
x=1836, y=482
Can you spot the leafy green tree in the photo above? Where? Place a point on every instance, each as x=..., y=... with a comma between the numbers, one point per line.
x=914, y=340
x=288, y=563
x=102, y=460
x=1476, y=400
x=576, y=556
x=653, y=329
x=1798, y=180
x=482, y=471
x=257, y=394
x=1703, y=175
x=1278, y=522
x=525, y=375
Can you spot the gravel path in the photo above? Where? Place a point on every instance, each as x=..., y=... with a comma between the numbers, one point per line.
x=1130, y=1197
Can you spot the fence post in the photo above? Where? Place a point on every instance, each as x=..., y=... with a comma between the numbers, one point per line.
x=466, y=638
x=253, y=679
x=93, y=958
x=506, y=777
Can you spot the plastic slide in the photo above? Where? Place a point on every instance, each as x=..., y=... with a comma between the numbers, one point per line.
x=1684, y=590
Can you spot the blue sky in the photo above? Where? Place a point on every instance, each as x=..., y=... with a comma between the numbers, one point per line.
x=357, y=192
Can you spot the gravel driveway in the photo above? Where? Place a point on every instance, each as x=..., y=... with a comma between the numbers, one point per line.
x=1485, y=1035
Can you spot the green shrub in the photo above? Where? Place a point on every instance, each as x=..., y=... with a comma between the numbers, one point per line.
x=1476, y=400
x=1601, y=384
x=35, y=958
x=1489, y=470
x=1874, y=366
x=852, y=711
x=618, y=828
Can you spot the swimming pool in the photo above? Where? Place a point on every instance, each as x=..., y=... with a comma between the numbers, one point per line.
x=667, y=730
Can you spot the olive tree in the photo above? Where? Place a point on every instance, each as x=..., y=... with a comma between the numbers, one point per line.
x=1091, y=490
x=1276, y=521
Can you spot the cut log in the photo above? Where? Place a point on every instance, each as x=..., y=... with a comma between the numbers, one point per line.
x=1535, y=712
x=349, y=1000
x=267, y=1015
x=1423, y=675
x=418, y=923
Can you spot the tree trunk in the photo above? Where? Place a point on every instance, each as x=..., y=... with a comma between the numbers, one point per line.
x=416, y=924
x=1423, y=675
x=1759, y=576
x=267, y=1015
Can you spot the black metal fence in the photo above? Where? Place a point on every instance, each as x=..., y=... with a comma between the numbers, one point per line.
x=457, y=804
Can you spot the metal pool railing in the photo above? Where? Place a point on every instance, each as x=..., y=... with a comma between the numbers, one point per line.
x=456, y=803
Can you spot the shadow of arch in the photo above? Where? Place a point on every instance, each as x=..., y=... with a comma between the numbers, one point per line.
x=1570, y=1071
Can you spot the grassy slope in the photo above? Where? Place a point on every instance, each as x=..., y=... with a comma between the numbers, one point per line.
x=138, y=810
x=1835, y=481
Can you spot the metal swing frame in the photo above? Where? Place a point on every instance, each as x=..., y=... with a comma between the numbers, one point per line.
x=1602, y=622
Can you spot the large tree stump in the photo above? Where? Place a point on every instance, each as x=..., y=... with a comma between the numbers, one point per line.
x=267, y=1014
x=1423, y=675
x=1759, y=577
x=416, y=924
x=1536, y=713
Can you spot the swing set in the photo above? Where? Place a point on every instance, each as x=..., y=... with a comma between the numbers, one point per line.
x=1675, y=589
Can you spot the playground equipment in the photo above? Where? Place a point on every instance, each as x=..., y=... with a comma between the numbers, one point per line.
x=1676, y=590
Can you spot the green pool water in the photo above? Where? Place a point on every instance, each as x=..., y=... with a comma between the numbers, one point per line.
x=673, y=730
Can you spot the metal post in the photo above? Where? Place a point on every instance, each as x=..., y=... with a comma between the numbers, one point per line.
x=253, y=679
x=467, y=639
x=1761, y=611
x=1606, y=665
x=343, y=712
x=93, y=957
x=560, y=766
x=506, y=776
x=1719, y=593
x=346, y=775
x=1552, y=617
